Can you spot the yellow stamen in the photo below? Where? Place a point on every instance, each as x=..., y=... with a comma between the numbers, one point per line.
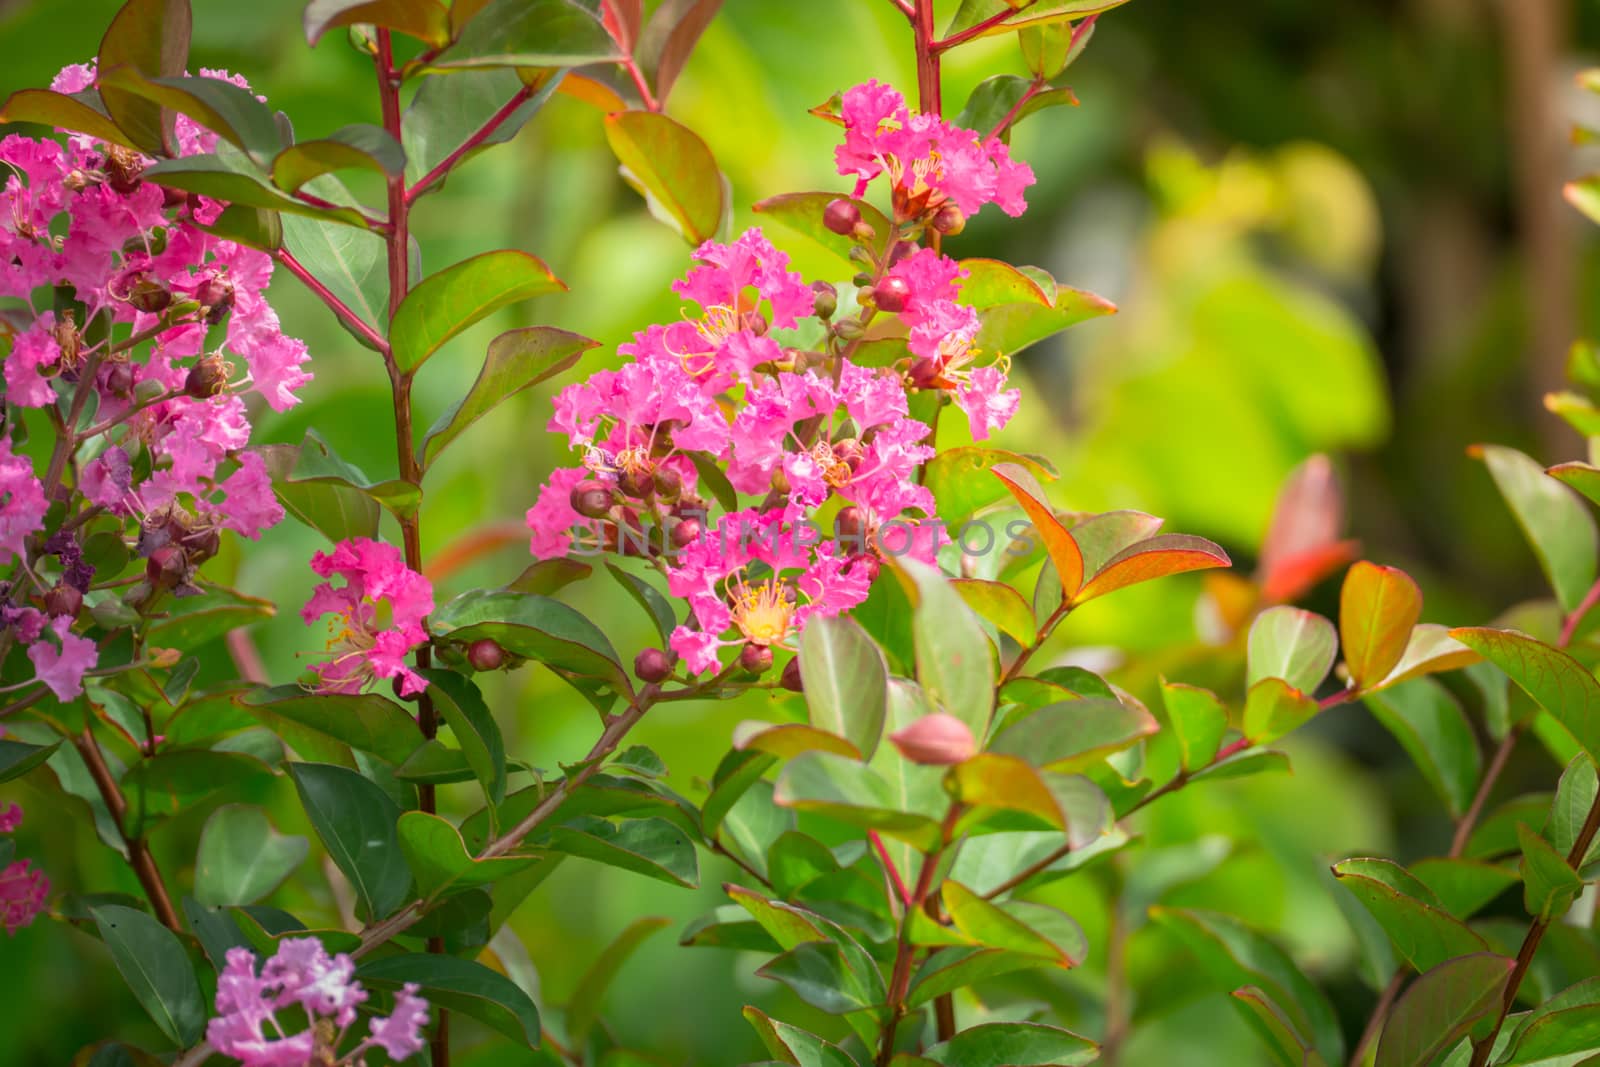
x=762, y=612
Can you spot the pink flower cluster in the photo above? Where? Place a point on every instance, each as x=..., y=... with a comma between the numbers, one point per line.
x=22, y=890
x=730, y=387
x=379, y=612
x=138, y=305
x=302, y=974
x=930, y=163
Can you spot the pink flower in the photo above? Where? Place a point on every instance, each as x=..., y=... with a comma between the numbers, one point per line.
x=376, y=577
x=400, y=1035
x=929, y=162
x=22, y=895
x=738, y=277
x=251, y=505
x=74, y=78
x=107, y=479
x=988, y=404
x=938, y=739
x=33, y=351
x=551, y=518
x=22, y=503
x=10, y=819
x=302, y=973
x=62, y=667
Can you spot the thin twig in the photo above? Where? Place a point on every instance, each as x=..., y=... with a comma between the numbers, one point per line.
x=480, y=135
x=139, y=856
x=339, y=307
x=977, y=29
x=1380, y=1012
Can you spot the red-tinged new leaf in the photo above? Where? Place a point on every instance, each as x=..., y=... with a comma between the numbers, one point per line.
x=1100, y=537
x=426, y=20
x=63, y=112
x=674, y=170
x=1557, y=682
x=1583, y=477
x=1063, y=550
x=151, y=36
x=669, y=39
x=1440, y=1007
x=621, y=18
x=1309, y=515
x=999, y=604
x=1377, y=609
x=1157, y=557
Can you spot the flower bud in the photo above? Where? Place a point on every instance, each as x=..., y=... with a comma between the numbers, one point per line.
x=841, y=216
x=863, y=231
x=67, y=338
x=924, y=373
x=757, y=659
x=902, y=250
x=686, y=533
x=485, y=655
x=848, y=329
x=790, y=678
x=148, y=295
x=753, y=321
x=215, y=295
x=850, y=525
x=668, y=483
x=861, y=279
x=652, y=665
x=397, y=687
x=207, y=378
x=119, y=379
x=824, y=300
x=123, y=168
x=63, y=599
x=166, y=567
x=848, y=450
x=637, y=484
x=937, y=740
x=591, y=499
x=891, y=294
x=949, y=220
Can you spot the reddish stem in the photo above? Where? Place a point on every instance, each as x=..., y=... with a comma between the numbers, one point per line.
x=889, y=868
x=977, y=29
x=480, y=135
x=1569, y=628
x=927, y=59
x=323, y=293
x=472, y=547
x=1016, y=109
x=630, y=65
x=139, y=855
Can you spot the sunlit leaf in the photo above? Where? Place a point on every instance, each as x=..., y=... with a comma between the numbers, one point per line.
x=1155, y=557
x=444, y=304
x=1199, y=720
x=673, y=168
x=1378, y=606
x=1273, y=709
x=1557, y=682
x=1062, y=549
x=847, y=682
x=1558, y=525
x=1294, y=645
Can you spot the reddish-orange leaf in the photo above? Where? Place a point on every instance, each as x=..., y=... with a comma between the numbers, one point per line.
x=1291, y=577
x=1057, y=541
x=1154, y=558
x=1378, y=608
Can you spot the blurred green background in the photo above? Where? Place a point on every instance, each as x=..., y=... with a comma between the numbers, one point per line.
x=1327, y=228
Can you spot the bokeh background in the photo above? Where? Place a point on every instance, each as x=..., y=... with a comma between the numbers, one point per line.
x=1328, y=227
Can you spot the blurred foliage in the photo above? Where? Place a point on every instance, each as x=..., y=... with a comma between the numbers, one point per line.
x=1250, y=188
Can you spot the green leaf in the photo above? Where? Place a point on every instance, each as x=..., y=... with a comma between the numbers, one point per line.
x=530, y=33
x=584, y=1007
x=459, y=985
x=999, y=604
x=356, y=147
x=1378, y=606
x=1046, y=50
x=1440, y=1007
x=1558, y=683
x=652, y=847
x=1294, y=645
x=993, y=926
x=438, y=857
x=802, y=214
x=850, y=791
x=446, y=112
x=735, y=774
x=789, y=739
x=1199, y=720
x=1575, y=796
x=818, y=974
x=669, y=38
x=1014, y=1045
x=794, y=1045
x=1235, y=955
x=1409, y=913
x=1567, y=1024
x=1074, y=735
x=252, y=226
x=955, y=662
x=1428, y=722
x=1463, y=886
x=672, y=167
x=848, y=690
x=356, y=822
x=1557, y=523
x=17, y=758
x=648, y=597
x=1549, y=884
x=242, y=858
x=1044, y=12
x=233, y=179
x=516, y=360
x=366, y=721
x=950, y=969
x=168, y=782
x=462, y=706
x=444, y=304
x=232, y=113
x=426, y=20
x=63, y=112
x=190, y=621
x=993, y=99
x=327, y=493
x=1272, y=710
x=156, y=967
x=350, y=262
x=534, y=627
x=1273, y=1025
x=151, y=36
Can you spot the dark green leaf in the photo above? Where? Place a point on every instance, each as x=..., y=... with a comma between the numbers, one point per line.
x=426, y=20
x=17, y=758
x=1273, y=1025
x=447, y=111
x=532, y=626
x=1014, y=1045
x=802, y=214
x=355, y=147
x=461, y=986
x=156, y=967
x=1567, y=1024
x=652, y=847
x=530, y=33
x=232, y=113
x=233, y=180
x=462, y=706
x=187, y=622
x=356, y=822
x=1463, y=886
x=818, y=974
x=367, y=721
x=1575, y=796
x=168, y=782
x=1430, y=725
x=1440, y=1007
x=1554, y=518
x=151, y=36
x=242, y=858
x=1557, y=682
x=994, y=98
x=1549, y=885
x=649, y=598
x=1408, y=911
x=584, y=1007
x=438, y=857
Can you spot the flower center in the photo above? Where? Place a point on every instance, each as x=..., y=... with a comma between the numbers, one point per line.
x=763, y=611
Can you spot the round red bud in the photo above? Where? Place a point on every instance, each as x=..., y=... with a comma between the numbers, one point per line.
x=757, y=659
x=790, y=679
x=206, y=379
x=841, y=216
x=652, y=665
x=892, y=294
x=937, y=740
x=166, y=567
x=686, y=533
x=667, y=482
x=591, y=499
x=120, y=379
x=949, y=220
x=63, y=599
x=901, y=250
x=485, y=655
x=850, y=524
x=924, y=373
